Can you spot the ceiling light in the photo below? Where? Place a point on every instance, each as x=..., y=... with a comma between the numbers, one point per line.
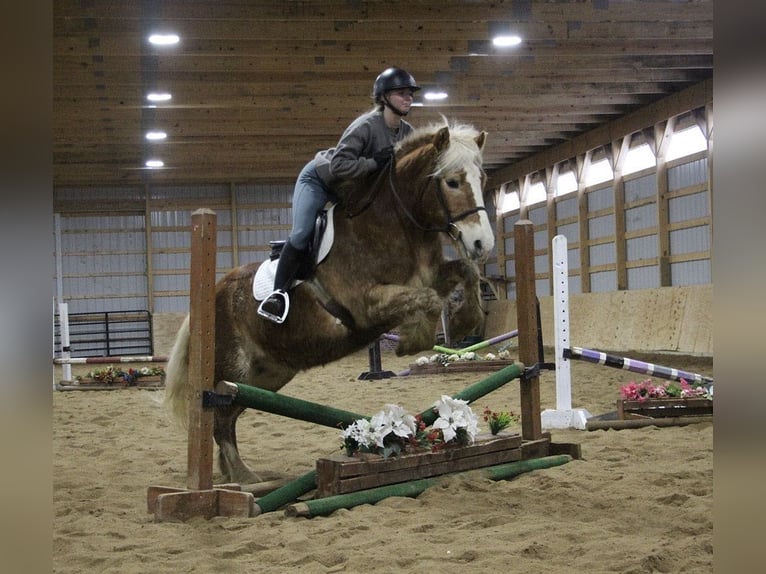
x=154, y=163
x=164, y=39
x=435, y=96
x=158, y=97
x=154, y=136
x=506, y=40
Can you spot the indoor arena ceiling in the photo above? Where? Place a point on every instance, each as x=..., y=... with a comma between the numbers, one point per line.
x=259, y=86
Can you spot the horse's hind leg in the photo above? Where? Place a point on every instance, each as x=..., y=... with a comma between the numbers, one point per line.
x=225, y=434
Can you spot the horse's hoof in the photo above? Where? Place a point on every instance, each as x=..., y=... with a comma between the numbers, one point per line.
x=245, y=478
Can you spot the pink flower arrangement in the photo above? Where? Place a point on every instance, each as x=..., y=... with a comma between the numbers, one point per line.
x=646, y=389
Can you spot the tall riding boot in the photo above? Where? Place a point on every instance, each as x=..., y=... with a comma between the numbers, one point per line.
x=276, y=306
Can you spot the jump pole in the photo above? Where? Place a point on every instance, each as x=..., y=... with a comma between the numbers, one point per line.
x=474, y=347
x=635, y=366
x=294, y=408
x=200, y=498
x=105, y=360
x=563, y=416
x=413, y=488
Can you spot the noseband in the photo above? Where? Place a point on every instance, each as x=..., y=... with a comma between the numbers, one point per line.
x=449, y=227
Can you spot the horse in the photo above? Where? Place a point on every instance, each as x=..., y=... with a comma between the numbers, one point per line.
x=385, y=271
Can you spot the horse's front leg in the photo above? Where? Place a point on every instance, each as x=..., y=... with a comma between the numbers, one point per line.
x=415, y=311
x=467, y=315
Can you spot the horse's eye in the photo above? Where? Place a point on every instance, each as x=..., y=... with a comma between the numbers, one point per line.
x=453, y=183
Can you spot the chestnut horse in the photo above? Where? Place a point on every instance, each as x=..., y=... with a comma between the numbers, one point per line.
x=385, y=271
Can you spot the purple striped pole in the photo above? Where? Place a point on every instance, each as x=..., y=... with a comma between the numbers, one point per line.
x=635, y=366
x=106, y=360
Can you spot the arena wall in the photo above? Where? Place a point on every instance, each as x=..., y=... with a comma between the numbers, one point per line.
x=666, y=319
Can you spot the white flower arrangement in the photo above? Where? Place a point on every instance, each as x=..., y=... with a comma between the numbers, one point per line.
x=445, y=359
x=455, y=416
x=392, y=430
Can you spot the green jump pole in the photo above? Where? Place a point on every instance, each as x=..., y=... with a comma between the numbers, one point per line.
x=478, y=390
x=477, y=346
x=279, y=404
x=286, y=494
x=323, y=506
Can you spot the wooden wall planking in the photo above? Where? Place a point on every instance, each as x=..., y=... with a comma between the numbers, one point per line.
x=666, y=319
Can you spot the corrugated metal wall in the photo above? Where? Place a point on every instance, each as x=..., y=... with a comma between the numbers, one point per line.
x=138, y=257
x=635, y=218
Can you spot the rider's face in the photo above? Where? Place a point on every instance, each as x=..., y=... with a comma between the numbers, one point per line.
x=401, y=99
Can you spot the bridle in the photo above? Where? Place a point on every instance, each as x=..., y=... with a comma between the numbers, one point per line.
x=449, y=227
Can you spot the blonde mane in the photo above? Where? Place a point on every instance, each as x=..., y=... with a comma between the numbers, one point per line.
x=462, y=148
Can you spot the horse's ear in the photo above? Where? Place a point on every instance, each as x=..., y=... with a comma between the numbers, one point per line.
x=481, y=139
x=441, y=139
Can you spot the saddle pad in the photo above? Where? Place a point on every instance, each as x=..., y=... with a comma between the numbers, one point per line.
x=263, y=281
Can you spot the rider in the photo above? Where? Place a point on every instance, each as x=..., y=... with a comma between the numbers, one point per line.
x=366, y=146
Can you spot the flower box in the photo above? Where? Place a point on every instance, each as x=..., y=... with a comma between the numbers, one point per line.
x=341, y=474
x=91, y=384
x=459, y=367
x=661, y=408
x=148, y=381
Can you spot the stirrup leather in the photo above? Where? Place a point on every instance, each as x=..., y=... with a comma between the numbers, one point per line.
x=277, y=298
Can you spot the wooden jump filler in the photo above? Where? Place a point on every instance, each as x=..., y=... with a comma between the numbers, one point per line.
x=200, y=498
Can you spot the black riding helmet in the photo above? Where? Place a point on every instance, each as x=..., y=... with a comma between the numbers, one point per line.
x=392, y=79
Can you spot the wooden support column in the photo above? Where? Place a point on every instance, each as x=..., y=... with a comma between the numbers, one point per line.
x=620, y=150
x=526, y=313
x=663, y=132
x=583, y=165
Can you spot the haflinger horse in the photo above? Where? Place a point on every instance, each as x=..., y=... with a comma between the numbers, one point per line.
x=385, y=271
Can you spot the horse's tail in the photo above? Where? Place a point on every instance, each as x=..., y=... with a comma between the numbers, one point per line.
x=177, y=376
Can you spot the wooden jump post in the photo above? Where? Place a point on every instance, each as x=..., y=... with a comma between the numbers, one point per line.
x=200, y=498
x=527, y=321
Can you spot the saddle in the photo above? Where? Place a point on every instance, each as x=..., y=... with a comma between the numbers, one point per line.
x=319, y=247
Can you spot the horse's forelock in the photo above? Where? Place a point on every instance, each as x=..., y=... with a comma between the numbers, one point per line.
x=462, y=149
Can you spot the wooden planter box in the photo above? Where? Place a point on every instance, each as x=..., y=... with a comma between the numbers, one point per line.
x=340, y=474
x=662, y=408
x=459, y=367
x=88, y=384
x=150, y=381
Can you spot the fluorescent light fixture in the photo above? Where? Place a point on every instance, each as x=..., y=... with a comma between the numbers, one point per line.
x=506, y=40
x=155, y=136
x=154, y=163
x=164, y=39
x=435, y=96
x=158, y=97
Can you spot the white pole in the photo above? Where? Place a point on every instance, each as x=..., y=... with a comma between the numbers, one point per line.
x=561, y=318
x=64, y=329
x=563, y=416
x=63, y=308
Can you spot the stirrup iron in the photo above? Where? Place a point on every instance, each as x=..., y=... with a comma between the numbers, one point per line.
x=263, y=311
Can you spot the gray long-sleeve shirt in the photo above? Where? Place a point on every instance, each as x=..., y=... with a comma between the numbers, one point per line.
x=352, y=156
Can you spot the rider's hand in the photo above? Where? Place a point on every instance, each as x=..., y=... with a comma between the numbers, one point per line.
x=383, y=156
